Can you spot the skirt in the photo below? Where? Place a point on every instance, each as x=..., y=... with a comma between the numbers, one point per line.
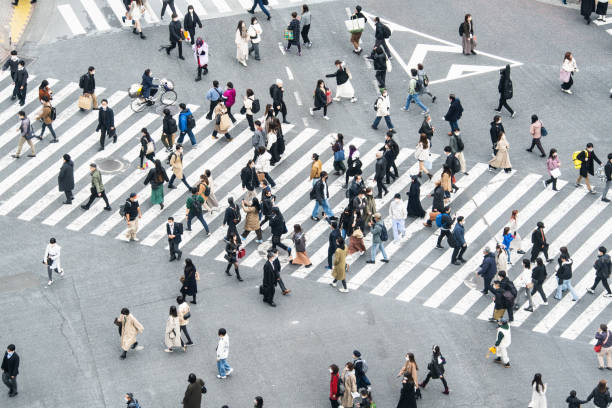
x=468, y=45
x=602, y=8
x=212, y=200
x=301, y=258
x=242, y=51
x=157, y=194
x=345, y=90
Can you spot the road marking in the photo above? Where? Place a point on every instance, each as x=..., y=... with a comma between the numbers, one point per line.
x=281, y=47
x=298, y=100
x=119, y=11
x=95, y=15
x=71, y=19
x=289, y=73
x=222, y=6
x=197, y=7
x=149, y=15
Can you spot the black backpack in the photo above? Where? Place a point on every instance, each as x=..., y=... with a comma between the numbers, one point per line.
x=191, y=123
x=123, y=208
x=376, y=103
x=53, y=113
x=255, y=107
x=196, y=205
x=508, y=91
x=384, y=235
x=82, y=80
x=456, y=165
x=418, y=87
x=460, y=145
x=386, y=31
x=169, y=157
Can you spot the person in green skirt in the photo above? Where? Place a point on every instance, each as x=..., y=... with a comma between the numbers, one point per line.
x=157, y=175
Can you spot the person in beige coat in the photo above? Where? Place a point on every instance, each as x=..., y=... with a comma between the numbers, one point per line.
x=501, y=258
x=502, y=158
x=252, y=219
x=241, y=39
x=222, y=122
x=350, y=385
x=340, y=267
x=45, y=117
x=411, y=369
x=176, y=162
x=172, y=337
x=129, y=328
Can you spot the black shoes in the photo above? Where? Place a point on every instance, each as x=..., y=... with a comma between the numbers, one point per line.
x=84, y=207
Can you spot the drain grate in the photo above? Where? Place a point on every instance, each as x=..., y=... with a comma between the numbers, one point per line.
x=110, y=165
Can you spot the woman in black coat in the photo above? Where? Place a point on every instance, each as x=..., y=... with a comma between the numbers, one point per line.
x=190, y=22
x=505, y=90
x=278, y=228
x=354, y=164
x=600, y=395
x=408, y=394
x=586, y=8
x=65, y=179
x=414, y=208
x=231, y=255
x=320, y=99
x=436, y=369
x=190, y=284
x=169, y=130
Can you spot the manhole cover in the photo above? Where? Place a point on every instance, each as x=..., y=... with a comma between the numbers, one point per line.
x=109, y=165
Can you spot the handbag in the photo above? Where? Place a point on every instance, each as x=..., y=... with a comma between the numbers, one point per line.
x=543, y=131
x=556, y=173
x=243, y=110
x=355, y=25
x=85, y=102
x=597, y=347
x=187, y=315
x=564, y=76
x=261, y=176
x=241, y=253
x=288, y=34
x=197, y=275
x=428, y=163
x=182, y=279
x=150, y=148
x=328, y=96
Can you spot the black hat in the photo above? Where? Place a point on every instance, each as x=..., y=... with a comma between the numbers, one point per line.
x=540, y=224
x=356, y=353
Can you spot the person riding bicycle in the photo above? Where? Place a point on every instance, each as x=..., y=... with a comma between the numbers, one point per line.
x=148, y=89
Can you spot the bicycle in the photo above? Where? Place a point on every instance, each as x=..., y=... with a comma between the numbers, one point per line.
x=165, y=94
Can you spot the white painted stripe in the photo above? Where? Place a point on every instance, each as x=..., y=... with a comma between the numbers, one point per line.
x=601, y=23
x=95, y=14
x=222, y=6
x=168, y=12
x=289, y=73
x=119, y=11
x=71, y=19
x=298, y=100
x=472, y=233
x=588, y=315
x=273, y=2
x=150, y=15
x=564, y=239
x=535, y=205
x=198, y=8
x=281, y=47
x=398, y=273
x=321, y=227
x=5, y=74
x=246, y=4
x=8, y=90
x=609, y=31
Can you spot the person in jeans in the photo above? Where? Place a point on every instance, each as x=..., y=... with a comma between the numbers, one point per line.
x=261, y=5
x=447, y=222
x=524, y=286
x=608, y=173
x=10, y=369
x=222, y=354
x=25, y=135
x=455, y=110
x=132, y=214
x=398, y=214
x=321, y=197
x=564, y=276
x=383, y=107
x=602, y=271
x=97, y=188
x=194, y=209
x=45, y=117
x=377, y=243
x=413, y=94
x=460, y=244
x=183, y=309
x=604, y=339
x=184, y=127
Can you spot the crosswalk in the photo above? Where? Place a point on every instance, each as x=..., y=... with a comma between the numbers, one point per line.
x=417, y=272
x=606, y=25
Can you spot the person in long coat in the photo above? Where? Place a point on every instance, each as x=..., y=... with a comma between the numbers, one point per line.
x=189, y=283
x=466, y=31
x=587, y=157
x=129, y=328
x=193, y=393
x=172, y=337
x=339, y=270
x=242, y=43
x=222, y=122
x=350, y=385
x=408, y=394
x=414, y=207
x=65, y=179
x=586, y=8
x=502, y=158
x=299, y=243
x=251, y=223
x=269, y=281
x=504, y=87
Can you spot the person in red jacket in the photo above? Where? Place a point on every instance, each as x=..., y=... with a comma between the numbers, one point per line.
x=333, y=386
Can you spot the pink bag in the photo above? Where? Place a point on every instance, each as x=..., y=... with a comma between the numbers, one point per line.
x=564, y=76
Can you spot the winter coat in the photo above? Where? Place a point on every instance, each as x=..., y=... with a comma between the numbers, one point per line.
x=487, y=267
x=380, y=62
x=608, y=171
x=354, y=166
x=191, y=20
x=552, y=163
x=397, y=210
x=422, y=153
x=538, y=274
x=600, y=399
x=276, y=93
x=376, y=232
x=565, y=270
x=106, y=119
x=130, y=328
x=538, y=239
x=587, y=167
x=407, y=396
x=269, y=276
x=10, y=365
x=496, y=128
x=602, y=266
x=152, y=178
x=183, y=119
x=176, y=161
x=538, y=397
x=438, y=199
x=299, y=242
x=90, y=84
x=535, y=129
x=174, y=30
x=339, y=271
x=459, y=235
x=65, y=179
x=446, y=182
x=502, y=158
x=200, y=54
x=262, y=164
x=277, y=225
x=504, y=338
x=383, y=106
x=45, y=114
x=321, y=191
x=370, y=209
x=350, y=385
x=248, y=177
x=333, y=386
x=380, y=168
x=223, y=347
x=427, y=129
x=341, y=76
x=169, y=125
x=193, y=394
x=501, y=260
x=190, y=284
x=230, y=97
x=96, y=181
x=252, y=219
x=587, y=7
x=504, y=87
x=294, y=25
x=455, y=110
x=172, y=337
x=320, y=98
x=436, y=365
x=225, y=123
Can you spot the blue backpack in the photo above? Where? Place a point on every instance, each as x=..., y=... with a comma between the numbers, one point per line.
x=439, y=220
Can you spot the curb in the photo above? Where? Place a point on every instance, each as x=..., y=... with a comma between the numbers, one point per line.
x=17, y=19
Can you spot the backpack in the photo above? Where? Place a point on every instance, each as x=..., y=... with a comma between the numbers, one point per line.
x=386, y=31
x=439, y=220
x=341, y=387
x=456, y=165
x=376, y=104
x=425, y=80
x=577, y=161
x=383, y=237
x=255, y=107
x=196, y=205
x=460, y=145
x=82, y=80
x=452, y=242
x=190, y=122
x=169, y=157
x=123, y=208
x=508, y=297
x=53, y=113
x=508, y=90
x=418, y=87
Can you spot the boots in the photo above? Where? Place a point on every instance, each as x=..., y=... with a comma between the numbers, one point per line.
x=238, y=275
x=227, y=270
x=142, y=36
x=123, y=355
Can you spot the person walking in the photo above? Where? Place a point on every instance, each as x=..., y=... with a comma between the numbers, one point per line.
x=136, y=12
x=603, y=343
x=501, y=257
x=390, y=152
x=46, y=116
x=466, y=32
x=424, y=80
x=241, y=39
x=356, y=34
x=232, y=218
x=44, y=90
x=586, y=8
x=223, y=366
x=156, y=177
x=25, y=135
x=278, y=228
x=263, y=167
x=10, y=370
x=132, y=215
x=52, y=259
x=602, y=271
x=189, y=281
x=215, y=96
x=277, y=272
x=487, y=269
x=538, y=277
x=172, y=336
x=380, y=62
x=254, y=32
x=232, y=246
x=600, y=395
x=536, y=134
x=338, y=152
x=446, y=222
x=129, y=328
x=249, y=107
x=248, y=178
x=166, y=3
x=380, y=173
x=176, y=162
x=176, y=35
x=277, y=92
x=20, y=83
x=332, y=242
x=320, y=193
x=316, y=169
x=361, y=368
x=524, y=285
x=106, y=123
x=97, y=188
x=507, y=239
x=414, y=87
x=252, y=210
x=299, y=243
x=320, y=99
x=564, y=277
x=602, y=10
x=568, y=69
x=553, y=166
x=408, y=394
x=423, y=154
x=460, y=245
x=294, y=29
x=194, y=391
x=502, y=157
x=586, y=158
x=65, y=179
x=379, y=236
x=262, y=6
x=12, y=63
x=538, y=394
x=334, y=386
x=306, y=19
x=608, y=182
x=190, y=22
x=505, y=89
x=456, y=144
x=503, y=340
x=229, y=97
x=344, y=88
x=383, y=108
x=186, y=125
x=200, y=53
x=354, y=165
x=436, y=369
x=259, y=139
x=437, y=206
x=340, y=265
x=414, y=207
x=398, y=214
x=184, y=313
x=540, y=244
x=269, y=280
x=381, y=34
x=454, y=113
x=147, y=148
x=496, y=129
x=195, y=209
x=87, y=82
x=174, y=231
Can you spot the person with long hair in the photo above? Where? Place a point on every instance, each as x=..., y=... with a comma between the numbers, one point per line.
x=414, y=207
x=44, y=90
x=299, y=242
x=156, y=176
x=147, y=148
x=172, y=337
x=204, y=192
x=600, y=395
x=553, y=166
x=344, y=88
x=354, y=164
x=502, y=157
x=568, y=68
x=436, y=369
x=232, y=245
x=410, y=369
x=135, y=13
x=422, y=153
x=252, y=210
x=517, y=241
x=230, y=99
x=242, y=43
x=189, y=282
x=333, y=386
x=212, y=201
x=305, y=20
x=320, y=99
x=338, y=150
x=46, y=120
x=538, y=394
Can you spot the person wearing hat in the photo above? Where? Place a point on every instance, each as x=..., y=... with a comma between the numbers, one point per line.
x=361, y=368
x=538, y=239
x=602, y=271
x=377, y=242
x=65, y=179
x=97, y=188
x=132, y=214
x=503, y=341
x=398, y=214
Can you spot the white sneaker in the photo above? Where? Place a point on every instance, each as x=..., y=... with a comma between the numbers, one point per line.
x=168, y=350
x=311, y=112
x=221, y=377
x=50, y=283
x=325, y=117
x=139, y=348
x=607, y=295
x=195, y=146
x=343, y=290
x=229, y=372
x=353, y=99
x=136, y=239
x=333, y=284
x=545, y=303
x=591, y=291
x=337, y=99
x=61, y=273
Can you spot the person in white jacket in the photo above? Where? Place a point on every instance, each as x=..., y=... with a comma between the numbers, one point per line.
x=398, y=214
x=538, y=393
x=254, y=33
x=52, y=260
x=383, y=110
x=503, y=342
x=222, y=353
x=262, y=164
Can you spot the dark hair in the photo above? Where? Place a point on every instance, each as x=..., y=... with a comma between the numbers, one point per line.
x=43, y=84
x=173, y=312
x=589, y=145
x=222, y=331
x=230, y=85
x=125, y=311
x=452, y=97
x=527, y=263
x=413, y=71
x=259, y=401
x=319, y=82
x=603, y=249
x=424, y=141
x=253, y=19
x=22, y=63
x=189, y=266
x=294, y=14
x=460, y=218
x=249, y=92
x=11, y=347
x=240, y=23
x=448, y=149
x=506, y=231
x=14, y=52
x=21, y=113
x=496, y=118
x=174, y=15
x=609, y=156
x=67, y=157
x=104, y=100
x=191, y=378
x=304, y=8
x=255, y=203
x=147, y=71
x=170, y=218
x=91, y=68
x=377, y=19
x=537, y=380
x=466, y=17
x=552, y=151
x=602, y=386
x=179, y=299
x=297, y=228
x=420, y=66
x=340, y=242
x=182, y=105
x=45, y=98
x=145, y=131
x=215, y=83
x=334, y=368
x=166, y=111
x=502, y=274
x=258, y=122
x=534, y=118
x=261, y=150
x=52, y=240
x=568, y=56
x=315, y=156
x=178, y=146
x=358, y=8
x=539, y=261
x=603, y=327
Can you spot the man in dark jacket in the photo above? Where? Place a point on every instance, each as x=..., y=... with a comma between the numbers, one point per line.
x=602, y=271
x=190, y=22
x=174, y=231
x=380, y=66
x=496, y=129
x=106, y=123
x=487, y=270
x=169, y=129
x=380, y=171
x=538, y=239
x=379, y=38
x=193, y=393
x=608, y=173
x=232, y=218
x=12, y=63
x=21, y=83
x=277, y=271
x=438, y=202
x=455, y=110
x=426, y=128
x=176, y=36
x=65, y=179
x=249, y=180
x=10, y=369
x=294, y=26
x=88, y=83
x=394, y=147
x=587, y=167
x=333, y=238
x=504, y=87
x=389, y=157
x=276, y=92
x=509, y=293
x=452, y=162
x=447, y=222
x=269, y=281
x=460, y=244
x=320, y=193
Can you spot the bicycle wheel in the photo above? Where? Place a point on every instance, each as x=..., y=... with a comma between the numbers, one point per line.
x=138, y=105
x=168, y=97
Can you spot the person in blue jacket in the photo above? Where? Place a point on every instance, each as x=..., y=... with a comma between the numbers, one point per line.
x=508, y=238
x=148, y=89
x=487, y=270
x=183, y=125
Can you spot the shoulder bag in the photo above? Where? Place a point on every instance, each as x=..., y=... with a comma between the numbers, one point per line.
x=597, y=347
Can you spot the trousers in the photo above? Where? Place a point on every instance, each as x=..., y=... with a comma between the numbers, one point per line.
x=174, y=248
x=11, y=383
x=23, y=140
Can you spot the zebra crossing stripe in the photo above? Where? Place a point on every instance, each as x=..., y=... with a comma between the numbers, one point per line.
x=582, y=254
x=119, y=11
x=578, y=258
x=149, y=15
x=8, y=90
x=197, y=7
x=473, y=295
x=61, y=118
x=472, y=233
x=83, y=170
x=95, y=15
x=4, y=74
x=219, y=233
x=588, y=315
x=71, y=19
x=222, y=6
x=246, y=3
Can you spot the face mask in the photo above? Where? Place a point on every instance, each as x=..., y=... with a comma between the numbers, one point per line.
x=20, y=68
x=9, y=354
x=407, y=358
x=330, y=370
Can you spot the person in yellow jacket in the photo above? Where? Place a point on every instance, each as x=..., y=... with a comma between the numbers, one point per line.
x=315, y=169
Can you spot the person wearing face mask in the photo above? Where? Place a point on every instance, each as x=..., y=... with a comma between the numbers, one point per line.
x=129, y=328
x=12, y=63
x=87, y=83
x=383, y=110
x=21, y=83
x=131, y=401
x=222, y=353
x=553, y=166
x=269, y=280
x=586, y=159
x=411, y=370
x=106, y=123
x=254, y=33
x=190, y=22
x=52, y=260
x=10, y=369
x=176, y=36
x=350, y=385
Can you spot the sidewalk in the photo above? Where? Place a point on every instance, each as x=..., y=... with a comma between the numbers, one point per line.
x=13, y=21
